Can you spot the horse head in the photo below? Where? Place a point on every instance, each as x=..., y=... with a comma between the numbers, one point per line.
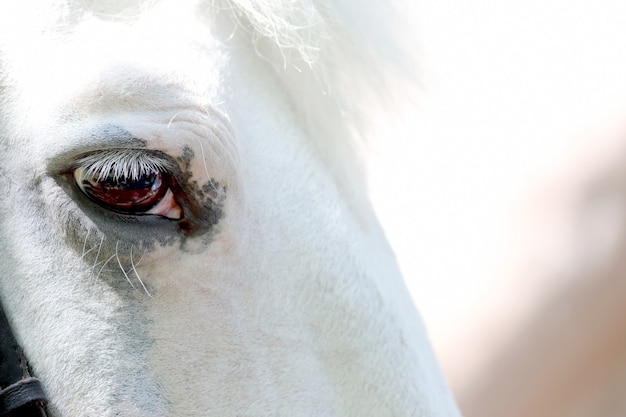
x=184, y=224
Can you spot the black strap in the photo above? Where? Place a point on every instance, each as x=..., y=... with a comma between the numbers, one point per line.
x=25, y=398
x=21, y=395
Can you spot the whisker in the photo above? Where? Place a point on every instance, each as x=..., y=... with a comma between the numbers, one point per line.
x=86, y=253
x=134, y=268
x=102, y=267
x=169, y=124
x=206, y=169
x=95, y=262
x=142, y=256
x=82, y=257
x=104, y=264
x=121, y=267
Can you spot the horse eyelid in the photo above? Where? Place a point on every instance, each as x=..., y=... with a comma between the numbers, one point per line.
x=127, y=166
x=126, y=163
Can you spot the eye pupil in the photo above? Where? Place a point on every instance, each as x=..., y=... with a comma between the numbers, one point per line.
x=128, y=195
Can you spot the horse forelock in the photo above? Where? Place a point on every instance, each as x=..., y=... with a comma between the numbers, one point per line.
x=350, y=55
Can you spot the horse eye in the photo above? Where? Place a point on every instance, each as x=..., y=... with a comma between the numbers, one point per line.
x=146, y=193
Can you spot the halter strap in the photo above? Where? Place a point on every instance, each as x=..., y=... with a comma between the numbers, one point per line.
x=21, y=395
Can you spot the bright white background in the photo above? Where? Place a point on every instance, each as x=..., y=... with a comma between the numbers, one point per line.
x=510, y=89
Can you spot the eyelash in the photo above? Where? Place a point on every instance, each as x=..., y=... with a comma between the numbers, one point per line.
x=128, y=181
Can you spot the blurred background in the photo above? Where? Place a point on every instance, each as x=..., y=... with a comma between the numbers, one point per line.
x=504, y=198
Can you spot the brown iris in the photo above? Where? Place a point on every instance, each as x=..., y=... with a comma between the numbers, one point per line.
x=123, y=194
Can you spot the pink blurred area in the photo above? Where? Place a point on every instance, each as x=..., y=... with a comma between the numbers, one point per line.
x=504, y=197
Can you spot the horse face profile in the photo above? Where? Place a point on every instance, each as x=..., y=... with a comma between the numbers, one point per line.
x=184, y=230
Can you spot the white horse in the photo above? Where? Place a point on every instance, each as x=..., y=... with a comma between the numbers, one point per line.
x=184, y=229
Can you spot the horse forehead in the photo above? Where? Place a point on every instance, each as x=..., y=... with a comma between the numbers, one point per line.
x=99, y=65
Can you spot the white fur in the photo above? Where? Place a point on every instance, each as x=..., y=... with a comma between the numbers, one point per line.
x=292, y=303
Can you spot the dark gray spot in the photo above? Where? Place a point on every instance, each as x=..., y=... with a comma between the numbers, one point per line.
x=204, y=203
